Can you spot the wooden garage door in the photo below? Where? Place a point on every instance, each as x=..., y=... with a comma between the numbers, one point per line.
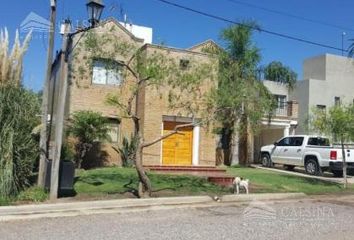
x=177, y=149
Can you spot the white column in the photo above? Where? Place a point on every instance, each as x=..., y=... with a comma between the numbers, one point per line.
x=161, y=145
x=293, y=131
x=286, y=131
x=196, y=138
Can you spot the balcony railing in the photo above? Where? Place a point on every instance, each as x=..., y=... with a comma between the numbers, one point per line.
x=281, y=111
x=286, y=109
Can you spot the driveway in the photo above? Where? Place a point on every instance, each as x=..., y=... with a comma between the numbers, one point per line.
x=315, y=219
x=298, y=171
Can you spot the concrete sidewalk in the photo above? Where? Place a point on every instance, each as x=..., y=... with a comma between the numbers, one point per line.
x=129, y=205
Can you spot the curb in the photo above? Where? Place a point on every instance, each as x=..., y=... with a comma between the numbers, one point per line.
x=128, y=205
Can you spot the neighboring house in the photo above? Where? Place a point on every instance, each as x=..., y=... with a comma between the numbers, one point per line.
x=328, y=80
x=282, y=122
x=90, y=85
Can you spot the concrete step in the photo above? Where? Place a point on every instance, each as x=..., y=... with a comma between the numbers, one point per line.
x=212, y=174
x=225, y=181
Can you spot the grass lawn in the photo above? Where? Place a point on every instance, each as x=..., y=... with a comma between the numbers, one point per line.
x=267, y=181
x=30, y=195
x=122, y=183
x=114, y=182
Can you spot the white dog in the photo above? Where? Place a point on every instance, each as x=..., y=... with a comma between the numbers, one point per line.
x=239, y=182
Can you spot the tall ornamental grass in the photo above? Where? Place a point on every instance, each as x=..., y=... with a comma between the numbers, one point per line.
x=19, y=110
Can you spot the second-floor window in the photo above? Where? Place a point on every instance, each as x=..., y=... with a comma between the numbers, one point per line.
x=321, y=107
x=106, y=72
x=281, y=101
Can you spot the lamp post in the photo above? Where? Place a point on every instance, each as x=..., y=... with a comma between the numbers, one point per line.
x=94, y=9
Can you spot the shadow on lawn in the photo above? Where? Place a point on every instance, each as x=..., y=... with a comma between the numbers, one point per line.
x=162, y=184
x=134, y=191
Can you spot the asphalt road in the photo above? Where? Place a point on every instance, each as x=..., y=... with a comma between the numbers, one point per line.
x=307, y=219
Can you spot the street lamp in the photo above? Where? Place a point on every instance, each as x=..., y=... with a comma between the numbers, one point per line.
x=94, y=9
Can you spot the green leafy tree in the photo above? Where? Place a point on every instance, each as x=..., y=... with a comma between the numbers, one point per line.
x=277, y=72
x=241, y=98
x=87, y=127
x=337, y=122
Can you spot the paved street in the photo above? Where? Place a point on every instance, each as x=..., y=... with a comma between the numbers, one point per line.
x=307, y=219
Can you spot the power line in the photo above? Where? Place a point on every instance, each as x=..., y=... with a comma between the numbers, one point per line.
x=254, y=28
x=290, y=15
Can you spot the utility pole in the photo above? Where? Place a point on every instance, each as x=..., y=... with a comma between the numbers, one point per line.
x=43, y=145
x=60, y=111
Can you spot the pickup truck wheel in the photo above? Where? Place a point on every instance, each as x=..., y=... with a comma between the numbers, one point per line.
x=311, y=167
x=337, y=173
x=266, y=161
x=350, y=172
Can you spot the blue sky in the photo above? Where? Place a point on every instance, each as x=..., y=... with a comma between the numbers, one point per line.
x=178, y=28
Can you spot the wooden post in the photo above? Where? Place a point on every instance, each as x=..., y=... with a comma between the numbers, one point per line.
x=60, y=113
x=43, y=144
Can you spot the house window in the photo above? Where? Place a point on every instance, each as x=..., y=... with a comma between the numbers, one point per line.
x=106, y=72
x=113, y=130
x=321, y=107
x=336, y=101
x=281, y=101
x=184, y=64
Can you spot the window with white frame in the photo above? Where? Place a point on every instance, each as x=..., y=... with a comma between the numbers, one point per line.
x=106, y=72
x=281, y=101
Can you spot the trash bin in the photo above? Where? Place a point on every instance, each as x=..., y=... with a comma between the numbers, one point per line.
x=66, y=176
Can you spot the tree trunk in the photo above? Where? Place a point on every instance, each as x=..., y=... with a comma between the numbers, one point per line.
x=244, y=142
x=344, y=164
x=235, y=155
x=145, y=188
x=82, y=149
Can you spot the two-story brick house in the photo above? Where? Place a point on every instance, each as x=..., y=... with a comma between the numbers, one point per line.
x=92, y=80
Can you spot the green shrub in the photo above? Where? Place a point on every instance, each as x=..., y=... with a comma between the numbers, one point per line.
x=127, y=151
x=19, y=110
x=33, y=194
x=4, y=201
x=87, y=127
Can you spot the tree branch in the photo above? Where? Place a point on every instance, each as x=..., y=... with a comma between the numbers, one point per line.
x=175, y=131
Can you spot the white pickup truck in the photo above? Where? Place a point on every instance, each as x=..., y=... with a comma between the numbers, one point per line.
x=314, y=153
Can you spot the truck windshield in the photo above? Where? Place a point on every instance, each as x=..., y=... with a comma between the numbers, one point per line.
x=317, y=141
